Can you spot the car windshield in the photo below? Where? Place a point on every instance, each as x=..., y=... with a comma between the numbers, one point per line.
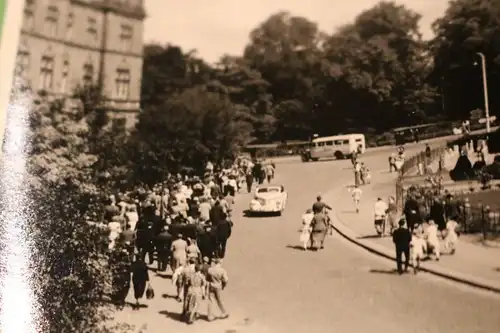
x=269, y=190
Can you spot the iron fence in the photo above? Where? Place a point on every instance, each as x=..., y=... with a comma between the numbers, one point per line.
x=473, y=217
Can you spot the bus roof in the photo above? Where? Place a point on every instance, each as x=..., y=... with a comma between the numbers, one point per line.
x=337, y=137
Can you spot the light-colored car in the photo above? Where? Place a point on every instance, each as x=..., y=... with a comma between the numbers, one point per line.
x=269, y=199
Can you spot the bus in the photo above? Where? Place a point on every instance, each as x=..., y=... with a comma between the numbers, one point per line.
x=338, y=147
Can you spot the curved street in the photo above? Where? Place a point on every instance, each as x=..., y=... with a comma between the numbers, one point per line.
x=279, y=288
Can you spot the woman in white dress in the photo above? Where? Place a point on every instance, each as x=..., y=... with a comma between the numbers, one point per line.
x=451, y=239
x=305, y=235
x=115, y=228
x=131, y=216
x=432, y=238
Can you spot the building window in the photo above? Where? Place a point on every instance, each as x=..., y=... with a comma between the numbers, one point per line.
x=92, y=29
x=51, y=21
x=88, y=75
x=122, y=84
x=29, y=14
x=65, y=77
x=69, y=25
x=126, y=38
x=22, y=63
x=46, y=73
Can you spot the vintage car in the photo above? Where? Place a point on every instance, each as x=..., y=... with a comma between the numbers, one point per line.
x=269, y=199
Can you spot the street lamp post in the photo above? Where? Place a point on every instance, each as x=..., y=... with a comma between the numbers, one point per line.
x=485, y=90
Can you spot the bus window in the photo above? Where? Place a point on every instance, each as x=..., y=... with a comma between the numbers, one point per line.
x=345, y=142
x=321, y=144
x=359, y=140
x=329, y=143
x=338, y=142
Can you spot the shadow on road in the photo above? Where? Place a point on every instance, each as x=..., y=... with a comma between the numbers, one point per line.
x=169, y=296
x=172, y=315
x=497, y=269
x=249, y=214
x=295, y=247
x=384, y=271
x=369, y=237
x=178, y=316
x=164, y=275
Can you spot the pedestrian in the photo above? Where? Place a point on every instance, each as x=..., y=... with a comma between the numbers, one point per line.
x=177, y=282
x=121, y=272
x=145, y=234
x=357, y=173
x=356, y=193
x=205, y=266
x=380, y=214
x=392, y=214
x=217, y=212
x=217, y=282
x=418, y=250
x=184, y=277
x=411, y=212
x=115, y=229
x=401, y=238
x=140, y=278
x=192, y=251
x=127, y=238
x=432, y=239
x=437, y=213
x=392, y=161
x=319, y=229
x=178, y=250
x=196, y=287
x=249, y=181
x=204, y=209
x=163, y=242
x=305, y=235
x=451, y=239
x=223, y=232
x=131, y=216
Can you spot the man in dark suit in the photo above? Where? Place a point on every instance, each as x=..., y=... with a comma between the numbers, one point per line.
x=216, y=213
x=163, y=241
x=402, y=239
x=224, y=229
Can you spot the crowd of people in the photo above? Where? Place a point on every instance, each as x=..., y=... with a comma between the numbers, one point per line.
x=183, y=224
x=428, y=217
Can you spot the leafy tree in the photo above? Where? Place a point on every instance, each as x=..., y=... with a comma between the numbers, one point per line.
x=246, y=87
x=186, y=131
x=287, y=50
x=467, y=27
x=379, y=68
x=70, y=255
x=167, y=70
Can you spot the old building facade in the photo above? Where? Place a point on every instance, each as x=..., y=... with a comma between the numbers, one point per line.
x=69, y=43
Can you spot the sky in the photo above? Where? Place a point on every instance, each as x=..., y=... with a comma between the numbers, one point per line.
x=218, y=27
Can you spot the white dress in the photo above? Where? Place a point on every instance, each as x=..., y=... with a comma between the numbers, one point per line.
x=432, y=238
x=306, y=227
x=115, y=229
x=418, y=247
x=451, y=238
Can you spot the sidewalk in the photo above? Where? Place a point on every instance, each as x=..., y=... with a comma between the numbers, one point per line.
x=472, y=264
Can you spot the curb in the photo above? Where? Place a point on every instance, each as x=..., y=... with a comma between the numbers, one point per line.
x=383, y=251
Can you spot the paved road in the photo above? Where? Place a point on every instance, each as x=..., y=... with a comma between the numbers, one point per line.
x=343, y=288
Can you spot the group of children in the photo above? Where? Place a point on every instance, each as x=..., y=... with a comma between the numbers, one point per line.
x=425, y=241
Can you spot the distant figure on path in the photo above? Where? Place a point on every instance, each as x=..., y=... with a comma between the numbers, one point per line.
x=356, y=197
x=451, y=239
x=401, y=238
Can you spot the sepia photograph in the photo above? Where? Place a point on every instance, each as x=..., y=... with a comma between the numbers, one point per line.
x=235, y=166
